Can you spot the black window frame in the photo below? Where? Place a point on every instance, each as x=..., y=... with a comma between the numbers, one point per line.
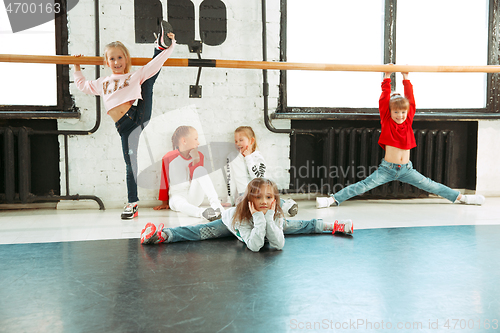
x=65, y=107
x=491, y=111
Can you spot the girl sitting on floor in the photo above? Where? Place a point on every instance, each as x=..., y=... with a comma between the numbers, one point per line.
x=185, y=181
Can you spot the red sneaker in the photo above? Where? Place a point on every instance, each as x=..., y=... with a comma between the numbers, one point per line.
x=160, y=234
x=344, y=226
x=148, y=233
x=152, y=235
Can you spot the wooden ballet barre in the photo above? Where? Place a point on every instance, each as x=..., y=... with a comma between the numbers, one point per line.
x=175, y=62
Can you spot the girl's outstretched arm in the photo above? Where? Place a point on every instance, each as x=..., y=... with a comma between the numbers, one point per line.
x=385, y=96
x=409, y=95
x=155, y=64
x=92, y=87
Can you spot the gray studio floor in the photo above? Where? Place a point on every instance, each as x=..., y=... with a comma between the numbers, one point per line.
x=411, y=266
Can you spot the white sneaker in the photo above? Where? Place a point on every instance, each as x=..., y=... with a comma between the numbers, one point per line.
x=211, y=214
x=476, y=199
x=324, y=202
x=130, y=211
x=290, y=207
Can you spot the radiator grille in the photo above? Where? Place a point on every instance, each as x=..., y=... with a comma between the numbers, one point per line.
x=352, y=154
x=15, y=165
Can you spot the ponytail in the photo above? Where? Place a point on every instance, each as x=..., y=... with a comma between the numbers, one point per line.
x=180, y=132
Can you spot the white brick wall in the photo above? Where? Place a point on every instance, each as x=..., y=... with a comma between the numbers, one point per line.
x=231, y=97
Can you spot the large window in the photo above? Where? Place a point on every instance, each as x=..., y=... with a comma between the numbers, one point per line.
x=29, y=89
x=454, y=32
x=28, y=84
x=412, y=32
x=334, y=31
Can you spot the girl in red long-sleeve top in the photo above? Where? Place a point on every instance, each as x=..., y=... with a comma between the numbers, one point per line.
x=184, y=180
x=397, y=138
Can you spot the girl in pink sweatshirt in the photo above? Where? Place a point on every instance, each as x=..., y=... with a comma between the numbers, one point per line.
x=120, y=90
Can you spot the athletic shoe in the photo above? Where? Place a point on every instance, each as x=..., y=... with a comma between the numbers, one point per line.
x=324, y=202
x=162, y=40
x=212, y=214
x=162, y=237
x=148, y=233
x=130, y=211
x=290, y=207
x=344, y=226
x=476, y=199
x=151, y=235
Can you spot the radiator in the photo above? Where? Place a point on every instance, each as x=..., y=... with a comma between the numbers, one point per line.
x=15, y=165
x=352, y=154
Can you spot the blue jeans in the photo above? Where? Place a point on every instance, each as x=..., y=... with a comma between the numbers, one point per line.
x=217, y=229
x=405, y=173
x=130, y=127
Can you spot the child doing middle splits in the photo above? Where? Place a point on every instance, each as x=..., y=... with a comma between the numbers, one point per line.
x=184, y=180
x=255, y=219
x=397, y=138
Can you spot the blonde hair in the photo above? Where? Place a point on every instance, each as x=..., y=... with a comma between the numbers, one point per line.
x=249, y=133
x=254, y=188
x=398, y=102
x=123, y=48
x=180, y=132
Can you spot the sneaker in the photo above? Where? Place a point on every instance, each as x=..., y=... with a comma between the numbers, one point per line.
x=212, y=214
x=290, y=207
x=476, y=199
x=151, y=235
x=130, y=211
x=324, y=202
x=162, y=40
x=344, y=226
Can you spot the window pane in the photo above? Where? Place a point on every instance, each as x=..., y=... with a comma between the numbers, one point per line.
x=444, y=32
x=27, y=84
x=334, y=31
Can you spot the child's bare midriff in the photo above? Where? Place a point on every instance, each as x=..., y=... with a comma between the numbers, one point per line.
x=117, y=112
x=396, y=155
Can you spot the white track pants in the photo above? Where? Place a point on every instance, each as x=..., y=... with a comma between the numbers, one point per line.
x=189, y=202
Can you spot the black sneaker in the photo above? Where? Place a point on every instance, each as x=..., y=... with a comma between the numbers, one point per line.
x=162, y=40
x=212, y=214
x=130, y=211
